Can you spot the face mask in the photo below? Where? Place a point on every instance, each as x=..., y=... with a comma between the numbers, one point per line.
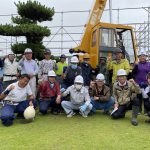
x=78, y=86
x=74, y=66
x=51, y=85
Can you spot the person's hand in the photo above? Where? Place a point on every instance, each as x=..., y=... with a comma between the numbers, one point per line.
x=96, y=98
x=23, y=57
x=30, y=103
x=58, y=100
x=109, y=58
x=83, y=108
x=116, y=105
x=63, y=76
x=11, y=87
x=132, y=81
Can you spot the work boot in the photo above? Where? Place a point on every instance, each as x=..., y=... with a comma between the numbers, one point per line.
x=135, y=110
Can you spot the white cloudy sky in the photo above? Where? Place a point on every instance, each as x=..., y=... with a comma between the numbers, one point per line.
x=129, y=16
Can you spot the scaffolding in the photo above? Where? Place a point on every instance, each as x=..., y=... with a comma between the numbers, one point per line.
x=64, y=37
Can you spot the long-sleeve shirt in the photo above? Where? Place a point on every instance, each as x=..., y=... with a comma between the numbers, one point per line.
x=46, y=92
x=113, y=65
x=78, y=97
x=28, y=66
x=45, y=66
x=124, y=94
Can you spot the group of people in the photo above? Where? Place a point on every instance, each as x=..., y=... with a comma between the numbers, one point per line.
x=75, y=87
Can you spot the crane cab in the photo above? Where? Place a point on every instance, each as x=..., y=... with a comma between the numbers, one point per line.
x=107, y=38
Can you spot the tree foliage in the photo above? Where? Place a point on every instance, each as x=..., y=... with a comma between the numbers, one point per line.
x=30, y=13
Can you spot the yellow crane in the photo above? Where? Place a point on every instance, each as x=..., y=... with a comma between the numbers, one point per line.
x=103, y=39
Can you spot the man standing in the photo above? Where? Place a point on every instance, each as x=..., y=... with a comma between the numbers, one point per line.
x=17, y=97
x=79, y=98
x=124, y=93
x=30, y=67
x=119, y=63
x=10, y=70
x=46, y=65
x=71, y=72
x=61, y=65
x=86, y=70
x=140, y=70
x=50, y=95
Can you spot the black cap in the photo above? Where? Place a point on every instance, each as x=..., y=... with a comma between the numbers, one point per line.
x=63, y=56
x=118, y=50
x=47, y=50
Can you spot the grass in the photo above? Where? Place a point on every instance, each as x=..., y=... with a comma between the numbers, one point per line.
x=97, y=132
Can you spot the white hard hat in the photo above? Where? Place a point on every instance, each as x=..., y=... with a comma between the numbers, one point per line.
x=121, y=72
x=100, y=76
x=79, y=79
x=28, y=50
x=11, y=53
x=51, y=73
x=74, y=59
x=29, y=113
x=142, y=52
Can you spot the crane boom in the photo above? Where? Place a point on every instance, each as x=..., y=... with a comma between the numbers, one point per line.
x=95, y=16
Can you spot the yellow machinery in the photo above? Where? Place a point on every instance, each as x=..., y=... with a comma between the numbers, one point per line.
x=103, y=39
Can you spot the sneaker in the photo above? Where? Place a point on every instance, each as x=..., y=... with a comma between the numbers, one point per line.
x=83, y=114
x=71, y=114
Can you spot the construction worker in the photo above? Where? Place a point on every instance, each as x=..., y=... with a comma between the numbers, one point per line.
x=30, y=67
x=50, y=95
x=146, y=97
x=124, y=93
x=17, y=97
x=11, y=68
x=79, y=98
x=60, y=68
x=119, y=63
x=100, y=97
x=140, y=70
x=86, y=70
x=46, y=65
x=71, y=72
x=102, y=68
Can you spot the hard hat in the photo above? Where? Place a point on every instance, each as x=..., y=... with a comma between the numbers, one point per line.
x=11, y=53
x=28, y=50
x=79, y=79
x=142, y=52
x=86, y=56
x=29, y=113
x=63, y=56
x=121, y=72
x=47, y=50
x=74, y=59
x=100, y=76
x=51, y=73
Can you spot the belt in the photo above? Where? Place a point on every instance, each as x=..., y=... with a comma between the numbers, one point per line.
x=10, y=102
x=9, y=75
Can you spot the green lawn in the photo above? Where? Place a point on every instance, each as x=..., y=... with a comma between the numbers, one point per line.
x=97, y=132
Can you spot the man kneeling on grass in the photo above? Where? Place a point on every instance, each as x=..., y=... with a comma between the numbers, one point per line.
x=17, y=97
x=50, y=95
x=124, y=93
x=80, y=99
x=100, y=95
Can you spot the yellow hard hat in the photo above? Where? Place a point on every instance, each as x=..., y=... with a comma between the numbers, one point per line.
x=86, y=56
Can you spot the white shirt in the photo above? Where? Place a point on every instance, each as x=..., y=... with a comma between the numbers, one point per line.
x=18, y=94
x=145, y=91
x=10, y=69
x=78, y=97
